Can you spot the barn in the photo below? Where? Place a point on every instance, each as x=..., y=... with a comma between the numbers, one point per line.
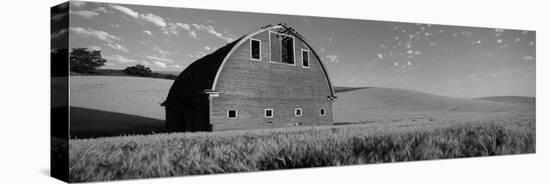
x=268, y=78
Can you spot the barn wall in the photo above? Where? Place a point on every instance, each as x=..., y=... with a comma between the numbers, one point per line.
x=191, y=115
x=250, y=86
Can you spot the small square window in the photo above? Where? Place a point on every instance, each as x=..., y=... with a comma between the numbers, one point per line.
x=268, y=113
x=232, y=114
x=298, y=112
x=323, y=113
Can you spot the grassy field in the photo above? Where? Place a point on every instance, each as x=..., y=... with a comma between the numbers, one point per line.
x=179, y=154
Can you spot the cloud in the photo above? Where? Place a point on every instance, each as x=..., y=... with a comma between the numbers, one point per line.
x=177, y=66
x=77, y=3
x=58, y=16
x=86, y=33
x=333, y=58
x=528, y=58
x=395, y=64
x=148, y=17
x=148, y=32
x=517, y=39
x=207, y=48
x=85, y=14
x=217, y=34
x=146, y=63
x=118, y=47
x=126, y=11
x=59, y=34
x=120, y=59
x=531, y=43
x=160, y=64
x=380, y=56
x=101, y=9
x=160, y=58
x=94, y=48
x=500, y=41
x=154, y=19
x=175, y=28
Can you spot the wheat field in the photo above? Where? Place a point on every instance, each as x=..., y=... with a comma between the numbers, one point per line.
x=180, y=154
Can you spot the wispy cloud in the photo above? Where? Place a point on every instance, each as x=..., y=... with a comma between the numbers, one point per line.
x=117, y=47
x=58, y=16
x=59, y=34
x=148, y=32
x=210, y=29
x=528, y=58
x=87, y=33
x=126, y=11
x=333, y=58
x=154, y=19
x=85, y=14
x=120, y=59
x=160, y=58
x=77, y=3
x=160, y=64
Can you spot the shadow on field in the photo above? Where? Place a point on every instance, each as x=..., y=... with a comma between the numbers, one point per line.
x=92, y=123
x=346, y=89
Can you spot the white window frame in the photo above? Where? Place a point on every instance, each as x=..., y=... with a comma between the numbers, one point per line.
x=272, y=113
x=322, y=112
x=281, y=53
x=260, y=49
x=302, y=56
x=236, y=114
x=301, y=112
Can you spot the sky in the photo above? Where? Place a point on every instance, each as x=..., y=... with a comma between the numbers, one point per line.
x=466, y=62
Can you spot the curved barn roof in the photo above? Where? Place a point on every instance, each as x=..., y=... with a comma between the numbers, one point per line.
x=201, y=76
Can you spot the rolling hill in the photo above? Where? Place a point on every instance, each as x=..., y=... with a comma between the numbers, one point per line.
x=126, y=103
x=375, y=103
x=511, y=99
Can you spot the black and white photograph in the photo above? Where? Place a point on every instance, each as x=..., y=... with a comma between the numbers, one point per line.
x=142, y=91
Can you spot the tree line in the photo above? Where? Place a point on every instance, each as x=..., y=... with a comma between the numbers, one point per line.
x=88, y=62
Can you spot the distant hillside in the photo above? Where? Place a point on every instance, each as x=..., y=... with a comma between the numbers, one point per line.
x=368, y=103
x=511, y=99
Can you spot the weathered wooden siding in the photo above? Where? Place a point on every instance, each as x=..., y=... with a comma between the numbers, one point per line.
x=250, y=86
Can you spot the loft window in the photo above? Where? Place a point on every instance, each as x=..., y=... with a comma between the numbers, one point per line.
x=322, y=112
x=305, y=58
x=281, y=48
x=298, y=112
x=232, y=114
x=268, y=113
x=255, y=53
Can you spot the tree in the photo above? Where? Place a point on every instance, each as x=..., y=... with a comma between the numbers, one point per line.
x=84, y=60
x=138, y=70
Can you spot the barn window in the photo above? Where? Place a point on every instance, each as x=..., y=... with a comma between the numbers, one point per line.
x=268, y=113
x=255, y=53
x=323, y=113
x=281, y=48
x=298, y=112
x=305, y=58
x=232, y=114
